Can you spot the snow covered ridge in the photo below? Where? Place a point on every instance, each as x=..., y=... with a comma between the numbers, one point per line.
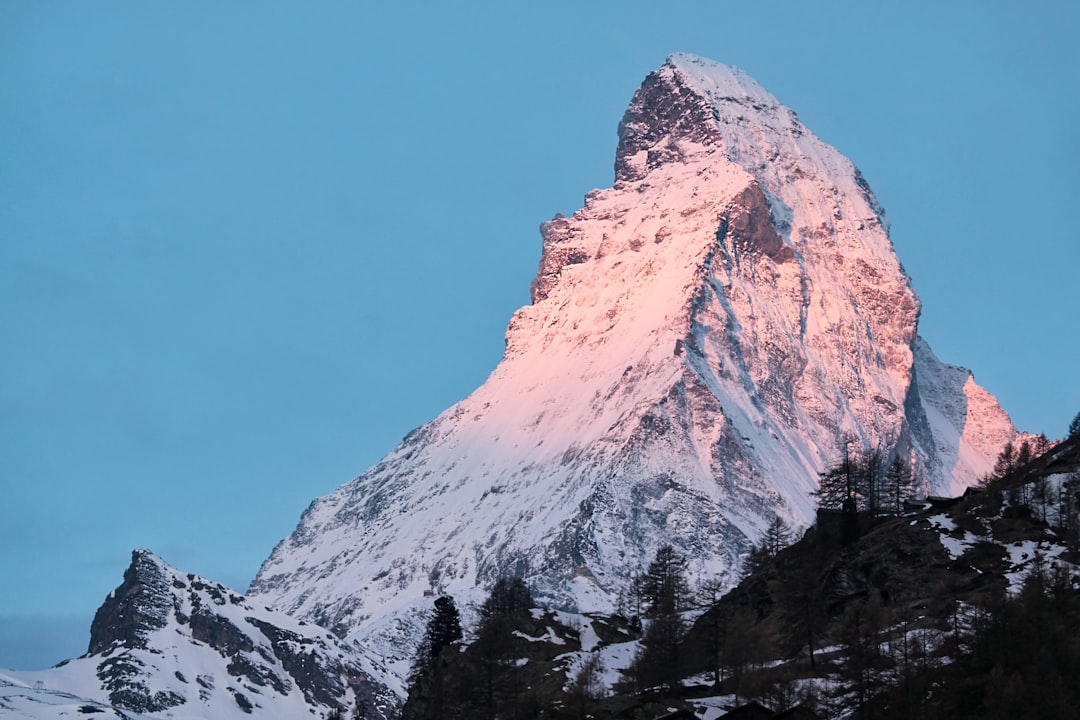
x=170, y=644
x=704, y=338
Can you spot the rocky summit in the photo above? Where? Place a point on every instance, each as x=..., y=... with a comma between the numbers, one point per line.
x=704, y=337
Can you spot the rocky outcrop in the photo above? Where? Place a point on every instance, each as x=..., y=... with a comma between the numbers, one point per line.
x=142, y=603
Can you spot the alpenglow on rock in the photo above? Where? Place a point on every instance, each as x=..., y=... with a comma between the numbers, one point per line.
x=704, y=338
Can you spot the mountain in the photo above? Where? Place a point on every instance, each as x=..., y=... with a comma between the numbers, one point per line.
x=704, y=337
x=171, y=644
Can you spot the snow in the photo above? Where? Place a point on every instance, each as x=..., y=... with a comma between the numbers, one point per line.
x=1024, y=555
x=715, y=706
x=942, y=522
x=948, y=531
x=589, y=639
x=22, y=700
x=550, y=636
x=717, y=81
x=955, y=547
x=671, y=383
x=615, y=659
x=582, y=624
x=967, y=425
x=588, y=594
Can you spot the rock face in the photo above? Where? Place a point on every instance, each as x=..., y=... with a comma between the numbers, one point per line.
x=142, y=604
x=704, y=338
x=170, y=642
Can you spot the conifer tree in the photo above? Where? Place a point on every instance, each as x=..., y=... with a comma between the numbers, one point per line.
x=507, y=609
x=1068, y=509
x=658, y=662
x=445, y=626
x=427, y=680
x=1023, y=457
x=839, y=486
x=899, y=484
x=842, y=488
x=777, y=536
x=509, y=598
x=1006, y=461
x=1039, y=444
x=586, y=686
x=1042, y=497
x=715, y=624
x=663, y=588
x=871, y=470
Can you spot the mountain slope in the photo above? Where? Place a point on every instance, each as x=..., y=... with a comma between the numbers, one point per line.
x=704, y=337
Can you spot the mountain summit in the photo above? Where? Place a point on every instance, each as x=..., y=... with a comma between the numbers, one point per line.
x=704, y=338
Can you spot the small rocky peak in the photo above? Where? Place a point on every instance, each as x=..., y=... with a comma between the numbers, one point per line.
x=140, y=604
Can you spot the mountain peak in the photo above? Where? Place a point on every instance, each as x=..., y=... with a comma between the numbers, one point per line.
x=140, y=604
x=718, y=82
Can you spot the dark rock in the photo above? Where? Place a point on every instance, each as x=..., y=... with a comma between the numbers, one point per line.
x=219, y=633
x=242, y=701
x=748, y=228
x=142, y=603
x=122, y=675
x=663, y=109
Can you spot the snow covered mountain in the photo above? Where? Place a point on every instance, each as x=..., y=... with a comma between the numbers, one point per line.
x=171, y=644
x=705, y=336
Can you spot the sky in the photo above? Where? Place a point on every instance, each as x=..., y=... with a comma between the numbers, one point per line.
x=246, y=247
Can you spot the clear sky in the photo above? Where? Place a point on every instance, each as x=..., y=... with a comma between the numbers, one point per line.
x=245, y=247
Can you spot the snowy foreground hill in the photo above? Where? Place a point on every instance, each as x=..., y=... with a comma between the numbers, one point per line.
x=704, y=338
x=172, y=644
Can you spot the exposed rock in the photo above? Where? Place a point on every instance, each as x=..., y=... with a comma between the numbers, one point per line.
x=142, y=603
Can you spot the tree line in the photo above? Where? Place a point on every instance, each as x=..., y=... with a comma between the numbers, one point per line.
x=485, y=683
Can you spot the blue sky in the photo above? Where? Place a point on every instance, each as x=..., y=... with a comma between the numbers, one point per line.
x=246, y=247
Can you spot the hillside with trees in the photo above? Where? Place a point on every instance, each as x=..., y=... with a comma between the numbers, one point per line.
x=887, y=607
